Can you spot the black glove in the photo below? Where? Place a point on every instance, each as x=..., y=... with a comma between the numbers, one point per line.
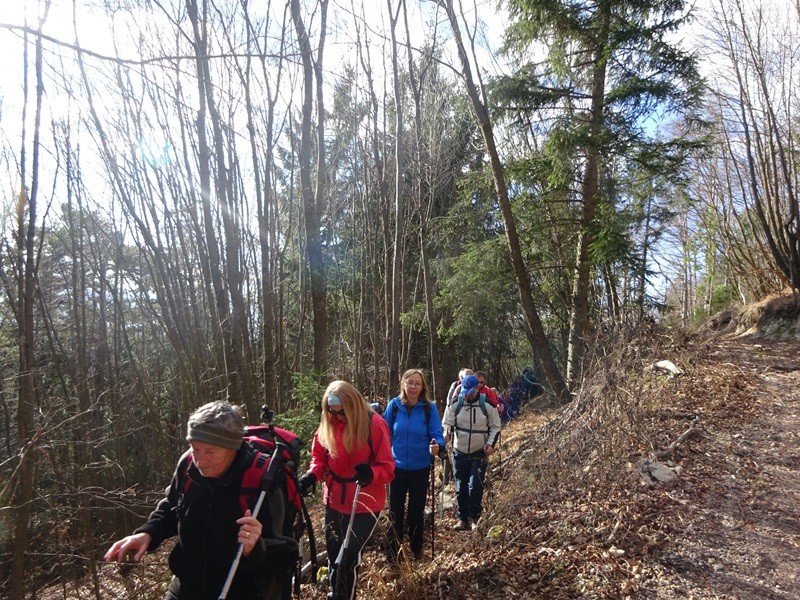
x=305, y=482
x=364, y=474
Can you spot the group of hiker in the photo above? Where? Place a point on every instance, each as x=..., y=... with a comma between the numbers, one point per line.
x=225, y=550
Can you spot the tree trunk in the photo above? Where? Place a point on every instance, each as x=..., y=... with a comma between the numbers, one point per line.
x=590, y=193
x=424, y=204
x=313, y=244
x=21, y=502
x=399, y=225
x=265, y=212
x=534, y=330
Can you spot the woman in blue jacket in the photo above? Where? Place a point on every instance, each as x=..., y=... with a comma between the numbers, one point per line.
x=416, y=430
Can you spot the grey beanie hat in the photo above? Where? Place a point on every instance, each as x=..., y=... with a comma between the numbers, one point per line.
x=214, y=432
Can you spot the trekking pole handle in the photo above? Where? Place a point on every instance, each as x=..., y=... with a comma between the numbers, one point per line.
x=275, y=463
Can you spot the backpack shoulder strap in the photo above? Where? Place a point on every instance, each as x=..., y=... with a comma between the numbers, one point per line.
x=396, y=408
x=251, y=480
x=482, y=403
x=459, y=404
x=249, y=487
x=182, y=472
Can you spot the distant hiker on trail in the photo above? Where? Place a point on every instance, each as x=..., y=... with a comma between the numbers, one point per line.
x=203, y=508
x=416, y=432
x=491, y=394
x=501, y=402
x=452, y=393
x=351, y=449
x=477, y=427
x=377, y=407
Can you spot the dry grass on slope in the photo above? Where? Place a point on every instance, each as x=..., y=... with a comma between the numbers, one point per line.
x=566, y=515
x=569, y=515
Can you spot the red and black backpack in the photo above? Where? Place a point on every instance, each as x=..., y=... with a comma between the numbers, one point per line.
x=265, y=439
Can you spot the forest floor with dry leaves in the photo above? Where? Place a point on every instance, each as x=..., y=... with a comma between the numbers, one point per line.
x=727, y=527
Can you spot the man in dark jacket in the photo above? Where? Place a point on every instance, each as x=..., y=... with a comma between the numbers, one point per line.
x=203, y=508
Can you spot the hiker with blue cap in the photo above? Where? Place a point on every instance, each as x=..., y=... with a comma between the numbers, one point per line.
x=474, y=425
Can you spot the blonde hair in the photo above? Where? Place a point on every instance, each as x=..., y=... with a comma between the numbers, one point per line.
x=357, y=411
x=423, y=394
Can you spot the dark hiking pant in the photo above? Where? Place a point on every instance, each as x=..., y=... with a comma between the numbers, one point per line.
x=470, y=472
x=414, y=486
x=343, y=577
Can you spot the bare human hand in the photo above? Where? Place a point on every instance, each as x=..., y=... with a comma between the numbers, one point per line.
x=249, y=532
x=130, y=547
x=433, y=448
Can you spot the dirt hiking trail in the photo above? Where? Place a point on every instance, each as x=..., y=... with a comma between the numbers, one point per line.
x=739, y=536
x=727, y=527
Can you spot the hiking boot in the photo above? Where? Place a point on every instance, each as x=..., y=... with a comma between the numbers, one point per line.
x=462, y=526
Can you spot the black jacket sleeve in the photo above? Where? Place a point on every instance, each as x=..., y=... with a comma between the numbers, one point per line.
x=163, y=521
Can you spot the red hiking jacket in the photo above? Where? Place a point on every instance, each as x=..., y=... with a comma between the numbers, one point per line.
x=338, y=472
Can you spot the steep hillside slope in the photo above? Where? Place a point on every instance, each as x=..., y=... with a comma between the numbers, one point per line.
x=575, y=508
x=573, y=516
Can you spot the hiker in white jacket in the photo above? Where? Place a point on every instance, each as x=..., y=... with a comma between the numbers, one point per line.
x=475, y=424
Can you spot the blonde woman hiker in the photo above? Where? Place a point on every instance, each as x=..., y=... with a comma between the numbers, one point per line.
x=351, y=450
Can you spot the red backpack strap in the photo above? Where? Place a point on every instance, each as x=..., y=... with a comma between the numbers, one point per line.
x=182, y=472
x=184, y=482
x=251, y=481
x=249, y=488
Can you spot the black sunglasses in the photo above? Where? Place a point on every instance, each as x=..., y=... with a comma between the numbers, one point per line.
x=338, y=413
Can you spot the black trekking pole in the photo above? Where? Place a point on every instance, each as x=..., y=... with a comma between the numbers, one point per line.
x=433, y=506
x=345, y=544
x=275, y=464
x=444, y=482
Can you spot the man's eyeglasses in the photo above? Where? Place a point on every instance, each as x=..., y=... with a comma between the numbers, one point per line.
x=337, y=413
